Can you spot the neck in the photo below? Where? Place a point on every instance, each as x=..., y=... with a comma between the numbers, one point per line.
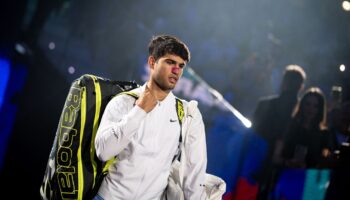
x=157, y=91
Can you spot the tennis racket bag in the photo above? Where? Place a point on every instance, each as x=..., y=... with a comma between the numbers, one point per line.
x=73, y=169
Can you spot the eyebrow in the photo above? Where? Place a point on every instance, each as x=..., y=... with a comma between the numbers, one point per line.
x=174, y=62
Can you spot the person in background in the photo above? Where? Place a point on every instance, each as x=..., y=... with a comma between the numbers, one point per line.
x=306, y=142
x=271, y=118
x=333, y=103
x=340, y=177
x=339, y=126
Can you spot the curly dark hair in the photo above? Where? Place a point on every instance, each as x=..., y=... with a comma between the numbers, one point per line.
x=161, y=45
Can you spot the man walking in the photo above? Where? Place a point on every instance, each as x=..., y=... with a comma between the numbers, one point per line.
x=144, y=134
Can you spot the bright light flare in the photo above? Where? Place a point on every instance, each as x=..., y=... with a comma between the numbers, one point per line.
x=346, y=5
x=342, y=68
x=20, y=49
x=52, y=45
x=71, y=69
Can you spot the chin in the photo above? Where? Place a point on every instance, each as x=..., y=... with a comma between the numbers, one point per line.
x=168, y=87
x=172, y=86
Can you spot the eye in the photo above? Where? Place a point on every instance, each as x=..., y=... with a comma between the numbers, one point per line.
x=170, y=62
x=182, y=66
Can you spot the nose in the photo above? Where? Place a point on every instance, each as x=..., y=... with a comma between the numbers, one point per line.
x=176, y=69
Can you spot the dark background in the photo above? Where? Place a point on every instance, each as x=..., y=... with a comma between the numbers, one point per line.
x=239, y=47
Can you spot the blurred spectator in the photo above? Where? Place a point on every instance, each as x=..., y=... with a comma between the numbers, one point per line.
x=340, y=179
x=339, y=125
x=334, y=102
x=335, y=98
x=271, y=118
x=306, y=142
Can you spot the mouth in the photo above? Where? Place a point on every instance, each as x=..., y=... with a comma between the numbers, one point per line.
x=173, y=80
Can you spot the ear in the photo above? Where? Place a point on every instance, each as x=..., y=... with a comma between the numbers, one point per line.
x=151, y=61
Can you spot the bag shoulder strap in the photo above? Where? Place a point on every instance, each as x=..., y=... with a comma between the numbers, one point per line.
x=180, y=115
x=130, y=93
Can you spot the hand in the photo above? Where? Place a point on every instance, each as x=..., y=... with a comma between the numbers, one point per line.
x=147, y=101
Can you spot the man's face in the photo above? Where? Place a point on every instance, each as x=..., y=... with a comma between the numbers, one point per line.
x=166, y=71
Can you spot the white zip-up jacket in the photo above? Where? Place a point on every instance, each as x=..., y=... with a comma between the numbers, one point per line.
x=145, y=145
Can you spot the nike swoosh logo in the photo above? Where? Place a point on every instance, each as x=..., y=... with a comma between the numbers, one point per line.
x=173, y=120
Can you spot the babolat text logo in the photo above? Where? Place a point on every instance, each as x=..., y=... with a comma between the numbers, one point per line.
x=66, y=170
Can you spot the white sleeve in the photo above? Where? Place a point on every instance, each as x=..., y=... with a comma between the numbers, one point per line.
x=196, y=159
x=119, y=123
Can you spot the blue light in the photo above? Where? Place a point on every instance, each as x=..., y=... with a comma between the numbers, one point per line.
x=4, y=77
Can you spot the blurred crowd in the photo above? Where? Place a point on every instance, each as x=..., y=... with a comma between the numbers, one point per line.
x=310, y=132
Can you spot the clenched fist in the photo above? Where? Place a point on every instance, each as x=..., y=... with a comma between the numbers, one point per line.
x=147, y=101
